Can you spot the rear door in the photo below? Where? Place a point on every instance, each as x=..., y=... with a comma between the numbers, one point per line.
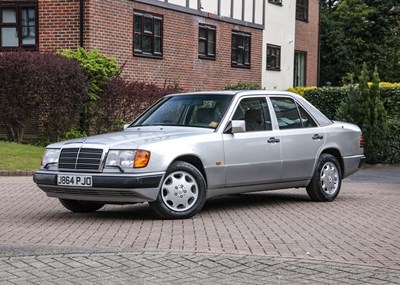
x=300, y=137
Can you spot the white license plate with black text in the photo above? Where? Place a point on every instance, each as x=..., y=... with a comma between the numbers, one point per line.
x=74, y=180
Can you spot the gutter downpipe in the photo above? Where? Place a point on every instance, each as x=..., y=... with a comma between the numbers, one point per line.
x=319, y=46
x=81, y=22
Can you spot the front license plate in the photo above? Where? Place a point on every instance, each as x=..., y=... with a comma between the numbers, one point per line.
x=74, y=180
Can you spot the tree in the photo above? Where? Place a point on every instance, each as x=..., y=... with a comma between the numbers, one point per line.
x=365, y=109
x=357, y=31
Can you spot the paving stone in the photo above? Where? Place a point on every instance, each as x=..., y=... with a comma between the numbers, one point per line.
x=275, y=237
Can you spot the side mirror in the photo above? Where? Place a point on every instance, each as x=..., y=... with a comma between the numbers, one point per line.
x=235, y=127
x=126, y=126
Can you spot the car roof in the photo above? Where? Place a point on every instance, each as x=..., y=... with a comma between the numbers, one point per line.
x=317, y=114
x=237, y=92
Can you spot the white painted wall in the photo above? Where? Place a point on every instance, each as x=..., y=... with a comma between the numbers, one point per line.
x=211, y=6
x=279, y=30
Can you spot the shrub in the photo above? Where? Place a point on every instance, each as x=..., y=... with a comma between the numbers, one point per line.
x=243, y=86
x=327, y=99
x=99, y=69
x=391, y=100
x=389, y=84
x=393, y=151
x=122, y=101
x=42, y=88
x=365, y=109
x=301, y=89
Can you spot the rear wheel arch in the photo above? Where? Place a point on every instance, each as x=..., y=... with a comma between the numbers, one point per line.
x=326, y=180
x=336, y=153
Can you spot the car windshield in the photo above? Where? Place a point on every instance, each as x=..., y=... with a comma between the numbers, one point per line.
x=200, y=110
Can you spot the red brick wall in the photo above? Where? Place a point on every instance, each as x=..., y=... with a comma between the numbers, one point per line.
x=110, y=29
x=58, y=24
x=307, y=40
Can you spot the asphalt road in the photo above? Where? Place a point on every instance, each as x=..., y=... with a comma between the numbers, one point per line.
x=383, y=174
x=278, y=237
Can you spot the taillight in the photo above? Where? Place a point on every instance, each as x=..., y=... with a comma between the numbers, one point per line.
x=361, y=141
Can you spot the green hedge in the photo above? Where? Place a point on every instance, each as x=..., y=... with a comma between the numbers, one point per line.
x=391, y=100
x=243, y=86
x=393, y=152
x=328, y=100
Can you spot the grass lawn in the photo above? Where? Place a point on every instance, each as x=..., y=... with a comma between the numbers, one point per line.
x=15, y=156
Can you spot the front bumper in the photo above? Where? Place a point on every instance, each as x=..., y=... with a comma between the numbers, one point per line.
x=124, y=188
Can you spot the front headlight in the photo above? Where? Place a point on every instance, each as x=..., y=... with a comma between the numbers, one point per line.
x=50, y=156
x=128, y=158
x=121, y=158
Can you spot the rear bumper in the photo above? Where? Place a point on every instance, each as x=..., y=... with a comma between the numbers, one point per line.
x=124, y=188
x=352, y=164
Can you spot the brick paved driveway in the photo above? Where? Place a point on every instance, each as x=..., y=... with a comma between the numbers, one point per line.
x=362, y=226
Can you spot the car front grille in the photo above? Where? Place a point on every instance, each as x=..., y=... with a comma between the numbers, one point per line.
x=80, y=159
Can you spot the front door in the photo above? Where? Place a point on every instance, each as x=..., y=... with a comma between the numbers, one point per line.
x=253, y=157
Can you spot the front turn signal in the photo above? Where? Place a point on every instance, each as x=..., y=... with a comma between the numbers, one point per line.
x=361, y=141
x=142, y=158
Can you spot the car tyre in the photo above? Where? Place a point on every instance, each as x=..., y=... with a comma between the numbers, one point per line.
x=182, y=193
x=326, y=181
x=78, y=206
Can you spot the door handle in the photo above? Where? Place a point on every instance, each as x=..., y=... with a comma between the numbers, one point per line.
x=273, y=140
x=317, y=137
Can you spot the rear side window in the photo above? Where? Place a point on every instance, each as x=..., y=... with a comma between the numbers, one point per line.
x=290, y=115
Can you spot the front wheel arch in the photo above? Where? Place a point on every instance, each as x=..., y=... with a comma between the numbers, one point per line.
x=193, y=160
x=182, y=192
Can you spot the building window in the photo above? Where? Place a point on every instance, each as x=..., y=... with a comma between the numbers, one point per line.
x=147, y=34
x=207, y=42
x=300, y=67
x=273, y=57
x=277, y=2
x=302, y=10
x=240, y=49
x=18, y=26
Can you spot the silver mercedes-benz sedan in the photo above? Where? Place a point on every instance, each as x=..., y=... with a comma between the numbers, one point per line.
x=189, y=147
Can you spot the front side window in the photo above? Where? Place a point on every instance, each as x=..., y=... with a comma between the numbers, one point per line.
x=300, y=60
x=290, y=115
x=255, y=113
x=240, y=49
x=147, y=34
x=302, y=10
x=273, y=57
x=207, y=41
x=18, y=26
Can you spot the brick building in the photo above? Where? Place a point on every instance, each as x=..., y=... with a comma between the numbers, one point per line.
x=290, y=44
x=306, y=60
x=199, y=44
